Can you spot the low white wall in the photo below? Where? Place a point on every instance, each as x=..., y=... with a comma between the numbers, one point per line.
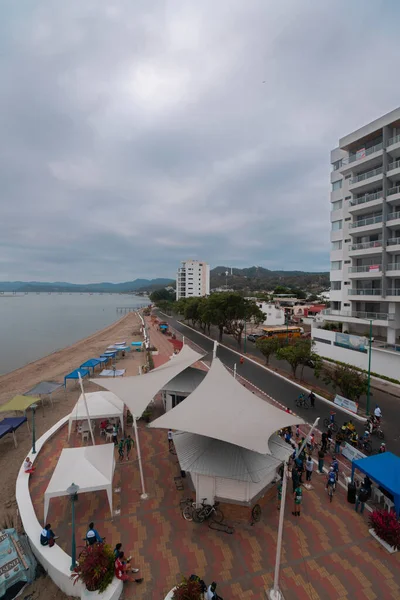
x=54, y=560
x=383, y=362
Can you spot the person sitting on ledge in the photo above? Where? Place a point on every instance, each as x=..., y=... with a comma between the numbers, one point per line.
x=121, y=570
x=126, y=561
x=47, y=536
x=93, y=535
x=28, y=466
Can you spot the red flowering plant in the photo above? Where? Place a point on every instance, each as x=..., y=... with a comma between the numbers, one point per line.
x=95, y=567
x=188, y=589
x=386, y=526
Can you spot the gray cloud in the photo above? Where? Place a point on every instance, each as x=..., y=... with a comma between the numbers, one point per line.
x=135, y=135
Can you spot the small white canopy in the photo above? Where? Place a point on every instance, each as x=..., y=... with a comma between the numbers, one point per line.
x=101, y=405
x=223, y=409
x=137, y=392
x=91, y=468
x=205, y=456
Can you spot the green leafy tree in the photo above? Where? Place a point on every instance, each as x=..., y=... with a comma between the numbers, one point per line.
x=163, y=294
x=351, y=383
x=299, y=353
x=268, y=347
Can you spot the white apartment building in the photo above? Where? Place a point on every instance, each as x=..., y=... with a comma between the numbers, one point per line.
x=193, y=279
x=365, y=230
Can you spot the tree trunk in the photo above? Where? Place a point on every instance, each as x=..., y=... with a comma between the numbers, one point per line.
x=209, y=328
x=221, y=331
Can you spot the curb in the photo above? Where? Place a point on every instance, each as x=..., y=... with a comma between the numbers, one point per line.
x=298, y=385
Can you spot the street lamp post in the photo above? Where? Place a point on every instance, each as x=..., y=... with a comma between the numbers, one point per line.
x=369, y=367
x=245, y=337
x=73, y=496
x=33, y=408
x=287, y=328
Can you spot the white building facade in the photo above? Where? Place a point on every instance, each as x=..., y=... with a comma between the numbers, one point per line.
x=365, y=230
x=193, y=279
x=274, y=314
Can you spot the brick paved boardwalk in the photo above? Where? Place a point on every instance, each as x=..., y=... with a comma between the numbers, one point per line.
x=327, y=552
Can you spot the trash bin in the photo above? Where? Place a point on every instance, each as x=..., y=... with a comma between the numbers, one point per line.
x=351, y=493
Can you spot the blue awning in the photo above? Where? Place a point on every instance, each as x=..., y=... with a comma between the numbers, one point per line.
x=75, y=375
x=9, y=425
x=91, y=363
x=384, y=469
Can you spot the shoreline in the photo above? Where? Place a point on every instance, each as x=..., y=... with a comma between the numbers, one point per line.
x=16, y=381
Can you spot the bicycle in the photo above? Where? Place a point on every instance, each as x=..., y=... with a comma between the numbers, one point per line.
x=331, y=425
x=302, y=402
x=365, y=446
x=189, y=510
x=331, y=490
x=206, y=510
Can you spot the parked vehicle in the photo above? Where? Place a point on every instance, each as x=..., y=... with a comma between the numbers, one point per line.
x=253, y=337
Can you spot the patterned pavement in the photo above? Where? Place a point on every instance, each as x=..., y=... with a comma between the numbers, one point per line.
x=327, y=553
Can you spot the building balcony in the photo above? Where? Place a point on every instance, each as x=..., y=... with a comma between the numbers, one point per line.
x=393, y=293
x=371, y=224
x=362, y=158
x=365, y=203
x=365, y=292
x=393, y=220
x=393, y=245
x=393, y=194
x=366, y=249
x=393, y=146
x=393, y=169
x=393, y=270
x=366, y=181
x=365, y=271
x=351, y=315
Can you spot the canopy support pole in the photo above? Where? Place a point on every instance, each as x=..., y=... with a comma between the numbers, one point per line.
x=143, y=495
x=275, y=593
x=215, y=349
x=87, y=410
x=300, y=450
x=234, y=370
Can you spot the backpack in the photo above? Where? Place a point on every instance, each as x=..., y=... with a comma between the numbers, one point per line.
x=363, y=495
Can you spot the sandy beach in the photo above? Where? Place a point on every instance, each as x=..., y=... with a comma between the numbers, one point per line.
x=53, y=368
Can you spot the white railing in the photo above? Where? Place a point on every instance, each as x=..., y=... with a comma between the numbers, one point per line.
x=393, y=242
x=394, y=165
x=367, y=175
x=364, y=222
x=394, y=190
x=365, y=269
x=366, y=245
x=394, y=140
x=393, y=292
x=393, y=267
x=358, y=314
x=366, y=198
x=367, y=152
x=365, y=292
x=392, y=216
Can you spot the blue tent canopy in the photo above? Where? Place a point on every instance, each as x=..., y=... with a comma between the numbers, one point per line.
x=9, y=425
x=104, y=358
x=136, y=343
x=384, y=469
x=74, y=375
x=91, y=363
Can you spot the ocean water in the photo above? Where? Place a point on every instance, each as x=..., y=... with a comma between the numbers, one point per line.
x=34, y=325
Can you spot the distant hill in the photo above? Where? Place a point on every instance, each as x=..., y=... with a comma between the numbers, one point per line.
x=63, y=286
x=258, y=278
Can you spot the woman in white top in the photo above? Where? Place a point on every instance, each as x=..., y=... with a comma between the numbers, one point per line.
x=28, y=466
x=309, y=468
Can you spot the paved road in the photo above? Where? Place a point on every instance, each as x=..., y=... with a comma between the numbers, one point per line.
x=286, y=392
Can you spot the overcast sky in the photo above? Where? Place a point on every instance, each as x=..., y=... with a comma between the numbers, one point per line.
x=135, y=134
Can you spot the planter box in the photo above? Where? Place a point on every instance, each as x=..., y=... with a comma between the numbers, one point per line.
x=384, y=544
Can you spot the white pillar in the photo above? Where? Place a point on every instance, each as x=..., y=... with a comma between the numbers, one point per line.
x=299, y=450
x=275, y=593
x=86, y=407
x=143, y=495
x=215, y=349
x=234, y=370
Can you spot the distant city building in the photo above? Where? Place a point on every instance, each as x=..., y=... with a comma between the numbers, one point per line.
x=365, y=229
x=193, y=279
x=274, y=314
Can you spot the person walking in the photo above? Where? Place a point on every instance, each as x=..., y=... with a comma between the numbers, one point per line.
x=297, y=432
x=297, y=495
x=121, y=449
x=170, y=440
x=128, y=445
x=311, y=398
x=93, y=536
x=309, y=468
x=279, y=490
x=324, y=441
x=115, y=434
x=321, y=456
x=295, y=478
x=335, y=466
x=338, y=442
x=361, y=498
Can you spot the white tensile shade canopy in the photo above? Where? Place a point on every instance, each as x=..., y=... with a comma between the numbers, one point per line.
x=91, y=468
x=223, y=409
x=137, y=392
x=100, y=405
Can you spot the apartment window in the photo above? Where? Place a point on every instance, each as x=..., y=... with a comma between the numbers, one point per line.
x=348, y=240
x=346, y=304
x=348, y=198
x=337, y=225
x=336, y=265
x=336, y=245
x=337, y=185
x=347, y=283
x=348, y=219
x=347, y=176
x=347, y=262
x=337, y=205
x=337, y=164
x=336, y=286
